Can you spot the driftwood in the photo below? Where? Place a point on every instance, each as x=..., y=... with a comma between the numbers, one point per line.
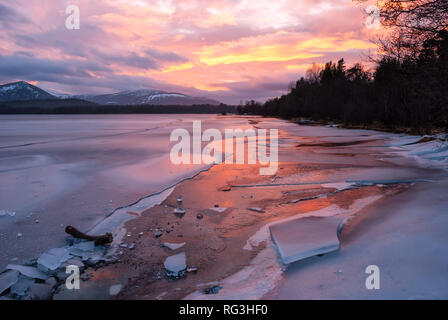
x=99, y=240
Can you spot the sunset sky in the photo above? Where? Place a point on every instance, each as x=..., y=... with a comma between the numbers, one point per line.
x=230, y=50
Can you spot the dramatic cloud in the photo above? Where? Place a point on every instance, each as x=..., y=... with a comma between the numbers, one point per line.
x=230, y=50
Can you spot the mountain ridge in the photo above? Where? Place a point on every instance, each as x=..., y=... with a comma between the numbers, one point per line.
x=23, y=91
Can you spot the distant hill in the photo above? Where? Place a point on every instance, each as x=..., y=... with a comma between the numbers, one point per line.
x=22, y=91
x=142, y=97
x=22, y=97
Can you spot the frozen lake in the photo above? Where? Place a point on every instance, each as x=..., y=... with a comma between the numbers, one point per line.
x=59, y=170
x=78, y=169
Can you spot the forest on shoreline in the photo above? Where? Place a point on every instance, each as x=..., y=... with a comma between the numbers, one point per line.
x=408, y=87
x=76, y=106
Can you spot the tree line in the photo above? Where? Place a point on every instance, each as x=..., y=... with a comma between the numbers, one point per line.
x=75, y=106
x=407, y=87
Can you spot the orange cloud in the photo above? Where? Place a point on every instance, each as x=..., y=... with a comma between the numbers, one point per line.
x=217, y=43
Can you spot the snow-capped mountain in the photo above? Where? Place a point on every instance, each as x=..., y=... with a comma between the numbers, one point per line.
x=19, y=91
x=151, y=96
x=23, y=91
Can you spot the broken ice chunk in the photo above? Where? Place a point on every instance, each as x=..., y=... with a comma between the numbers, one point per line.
x=7, y=279
x=30, y=272
x=306, y=237
x=175, y=265
x=4, y=213
x=220, y=210
x=75, y=262
x=115, y=289
x=158, y=233
x=96, y=254
x=21, y=286
x=179, y=212
x=40, y=291
x=52, y=259
x=174, y=246
x=85, y=246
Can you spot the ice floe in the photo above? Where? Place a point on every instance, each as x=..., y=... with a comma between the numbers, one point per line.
x=52, y=259
x=175, y=265
x=174, y=246
x=432, y=153
x=115, y=289
x=28, y=271
x=21, y=286
x=6, y=213
x=302, y=238
x=8, y=279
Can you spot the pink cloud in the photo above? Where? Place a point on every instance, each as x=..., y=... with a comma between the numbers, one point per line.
x=234, y=49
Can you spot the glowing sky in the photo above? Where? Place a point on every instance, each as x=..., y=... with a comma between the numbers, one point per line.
x=230, y=50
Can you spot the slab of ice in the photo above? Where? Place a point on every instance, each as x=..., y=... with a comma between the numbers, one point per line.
x=21, y=286
x=303, y=238
x=433, y=153
x=174, y=246
x=174, y=265
x=7, y=279
x=338, y=185
x=4, y=213
x=219, y=209
x=40, y=291
x=85, y=246
x=52, y=259
x=94, y=255
x=120, y=216
x=28, y=271
x=115, y=289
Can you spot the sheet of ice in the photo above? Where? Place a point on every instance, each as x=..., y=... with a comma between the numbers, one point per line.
x=8, y=279
x=84, y=246
x=218, y=209
x=6, y=213
x=338, y=185
x=21, y=286
x=28, y=271
x=122, y=215
x=175, y=264
x=52, y=259
x=174, y=246
x=115, y=289
x=430, y=154
x=85, y=254
x=263, y=235
x=303, y=238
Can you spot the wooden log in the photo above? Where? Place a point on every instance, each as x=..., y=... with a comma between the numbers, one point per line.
x=99, y=240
